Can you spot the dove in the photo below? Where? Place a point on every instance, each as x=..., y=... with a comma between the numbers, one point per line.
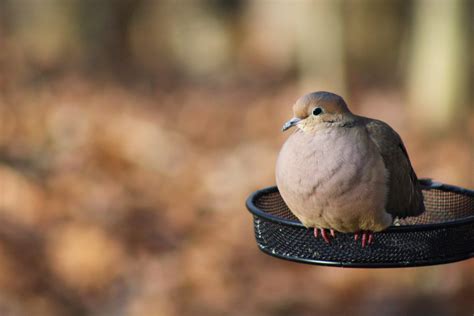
x=340, y=172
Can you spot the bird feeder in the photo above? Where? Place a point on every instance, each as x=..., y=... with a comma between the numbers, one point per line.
x=444, y=233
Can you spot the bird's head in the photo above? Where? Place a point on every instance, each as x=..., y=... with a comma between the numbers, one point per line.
x=317, y=110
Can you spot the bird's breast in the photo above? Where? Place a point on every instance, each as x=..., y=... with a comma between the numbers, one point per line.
x=323, y=176
x=309, y=161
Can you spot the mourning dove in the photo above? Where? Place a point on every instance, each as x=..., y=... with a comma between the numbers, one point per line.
x=343, y=172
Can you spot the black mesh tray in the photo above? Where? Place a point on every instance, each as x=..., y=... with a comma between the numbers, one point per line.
x=443, y=233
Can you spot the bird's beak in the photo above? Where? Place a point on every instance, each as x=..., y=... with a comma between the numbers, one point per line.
x=290, y=123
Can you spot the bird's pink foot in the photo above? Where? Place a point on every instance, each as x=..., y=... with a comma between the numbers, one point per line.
x=366, y=237
x=324, y=234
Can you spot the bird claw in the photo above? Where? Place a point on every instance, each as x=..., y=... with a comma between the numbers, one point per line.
x=366, y=237
x=324, y=234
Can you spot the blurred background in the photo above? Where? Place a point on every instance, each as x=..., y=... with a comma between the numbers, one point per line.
x=131, y=133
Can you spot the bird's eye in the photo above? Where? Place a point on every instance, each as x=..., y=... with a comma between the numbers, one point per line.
x=317, y=111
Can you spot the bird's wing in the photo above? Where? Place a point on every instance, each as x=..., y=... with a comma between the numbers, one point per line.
x=404, y=192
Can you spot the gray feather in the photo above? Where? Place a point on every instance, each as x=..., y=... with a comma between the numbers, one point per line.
x=404, y=192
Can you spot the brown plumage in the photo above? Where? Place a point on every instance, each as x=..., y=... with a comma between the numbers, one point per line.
x=344, y=172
